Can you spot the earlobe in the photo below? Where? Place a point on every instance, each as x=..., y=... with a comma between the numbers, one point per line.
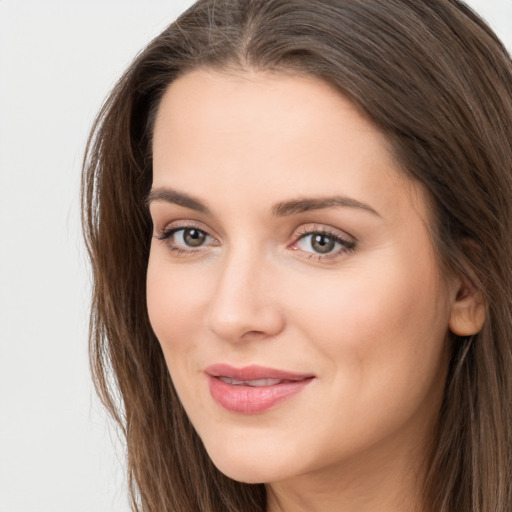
x=468, y=311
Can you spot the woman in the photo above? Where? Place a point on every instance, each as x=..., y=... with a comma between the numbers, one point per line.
x=299, y=215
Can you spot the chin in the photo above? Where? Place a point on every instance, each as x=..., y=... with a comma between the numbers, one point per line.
x=246, y=475
x=247, y=472
x=249, y=467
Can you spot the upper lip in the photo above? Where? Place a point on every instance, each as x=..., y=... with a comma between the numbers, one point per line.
x=253, y=372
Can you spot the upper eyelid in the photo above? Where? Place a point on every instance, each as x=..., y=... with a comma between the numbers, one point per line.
x=324, y=228
x=183, y=224
x=303, y=230
x=323, y=233
x=303, y=227
x=344, y=241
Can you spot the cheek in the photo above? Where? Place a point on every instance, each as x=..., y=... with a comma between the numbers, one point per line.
x=173, y=310
x=175, y=303
x=378, y=323
x=362, y=310
x=380, y=342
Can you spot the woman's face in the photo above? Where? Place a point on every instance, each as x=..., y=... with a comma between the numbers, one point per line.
x=292, y=282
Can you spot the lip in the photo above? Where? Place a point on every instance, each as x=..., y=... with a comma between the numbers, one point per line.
x=245, y=399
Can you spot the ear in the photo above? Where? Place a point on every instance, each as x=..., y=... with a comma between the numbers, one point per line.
x=468, y=310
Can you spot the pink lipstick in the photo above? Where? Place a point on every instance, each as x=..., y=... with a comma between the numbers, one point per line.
x=253, y=389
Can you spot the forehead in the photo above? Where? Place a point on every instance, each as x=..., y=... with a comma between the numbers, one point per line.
x=265, y=135
x=259, y=103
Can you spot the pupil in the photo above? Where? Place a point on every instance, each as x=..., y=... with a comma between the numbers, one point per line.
x=194, y=237
x=322, y=244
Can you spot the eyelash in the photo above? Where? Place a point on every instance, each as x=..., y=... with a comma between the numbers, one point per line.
x=346, y=245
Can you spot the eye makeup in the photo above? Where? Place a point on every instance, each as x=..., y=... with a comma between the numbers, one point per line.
x=313, y=242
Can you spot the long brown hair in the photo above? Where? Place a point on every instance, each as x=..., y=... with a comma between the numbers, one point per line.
x=435, y=79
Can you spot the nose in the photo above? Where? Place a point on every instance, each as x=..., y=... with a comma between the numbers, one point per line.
x=244, y=305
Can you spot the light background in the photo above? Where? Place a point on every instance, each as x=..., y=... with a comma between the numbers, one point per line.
x=58, y=60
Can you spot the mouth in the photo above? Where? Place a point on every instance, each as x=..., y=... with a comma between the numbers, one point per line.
x=253, y=389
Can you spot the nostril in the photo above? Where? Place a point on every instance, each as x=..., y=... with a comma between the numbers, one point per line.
x=245, y=325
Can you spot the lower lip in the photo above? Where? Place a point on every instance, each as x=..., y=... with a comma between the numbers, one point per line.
x=252, y=399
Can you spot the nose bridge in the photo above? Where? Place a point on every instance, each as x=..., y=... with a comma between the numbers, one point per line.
x=242, y=303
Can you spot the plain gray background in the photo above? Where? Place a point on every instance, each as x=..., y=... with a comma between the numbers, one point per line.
x=58, y=60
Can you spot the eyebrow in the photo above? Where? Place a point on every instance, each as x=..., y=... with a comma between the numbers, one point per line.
x=306, y=204
x=281, y=209
x=180, y=198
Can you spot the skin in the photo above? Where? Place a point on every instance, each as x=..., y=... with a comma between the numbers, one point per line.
x=369, y=321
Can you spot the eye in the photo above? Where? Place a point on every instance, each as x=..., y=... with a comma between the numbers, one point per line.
x=185, y=239
x=319, y=242
x=322, y=244
x=191, y=237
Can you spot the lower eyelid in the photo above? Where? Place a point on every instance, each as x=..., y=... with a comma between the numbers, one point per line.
x=345, y=241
